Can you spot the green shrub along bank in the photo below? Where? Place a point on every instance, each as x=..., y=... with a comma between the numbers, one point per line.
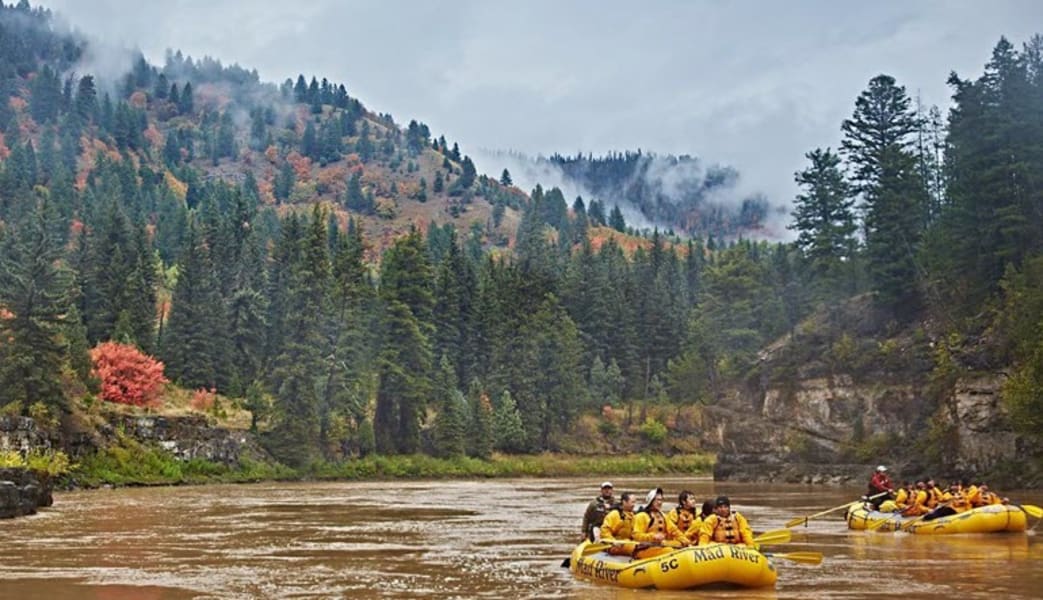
x=132, y=463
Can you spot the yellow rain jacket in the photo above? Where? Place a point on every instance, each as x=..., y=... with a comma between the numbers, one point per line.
x=647, y=524
x=901, y=496
x=936, y=497
x=682, y=519
x=733, y=530
x=918, y=506
x=618, y=525
x=973, y=495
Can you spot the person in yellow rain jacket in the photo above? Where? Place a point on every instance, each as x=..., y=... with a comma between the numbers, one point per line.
x=900, y=501
x=954, y=501
x=652, y=527
x=684, y=516
x=935, y=495
x=619, y=525
x=902, y=495
x=972, y=494
x=726, y=526
x=990, y=497
x=917, y=505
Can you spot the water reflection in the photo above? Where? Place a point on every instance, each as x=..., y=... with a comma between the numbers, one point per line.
x=463, y=539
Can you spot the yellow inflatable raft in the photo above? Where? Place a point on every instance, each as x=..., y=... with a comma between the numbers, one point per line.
x=679, y=569
x=993, y=518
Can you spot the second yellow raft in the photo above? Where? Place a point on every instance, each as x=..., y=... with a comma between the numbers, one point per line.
x=677, y=570
x=994, y=518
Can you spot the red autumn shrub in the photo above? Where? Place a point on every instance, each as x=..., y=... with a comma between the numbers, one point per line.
x=203, y=399
x=128, y=376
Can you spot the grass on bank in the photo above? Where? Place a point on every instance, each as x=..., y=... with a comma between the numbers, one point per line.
x=133, y=463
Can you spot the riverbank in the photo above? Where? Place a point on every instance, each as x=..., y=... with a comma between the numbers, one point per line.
x=139, y=464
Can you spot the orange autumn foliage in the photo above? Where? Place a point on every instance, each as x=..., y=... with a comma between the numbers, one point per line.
x=301, y=165
x=264, y=187
x=332, y=179
x=128, y=376
x=138, y=99
x=203, y=399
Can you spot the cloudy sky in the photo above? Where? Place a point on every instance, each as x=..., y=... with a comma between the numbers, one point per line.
x=750, y=84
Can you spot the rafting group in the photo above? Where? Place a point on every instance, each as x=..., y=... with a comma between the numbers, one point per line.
x=694, y=545
x=689, y=546
x=924, y=507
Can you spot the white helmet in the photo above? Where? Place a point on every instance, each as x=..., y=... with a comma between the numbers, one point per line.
x=881, y=469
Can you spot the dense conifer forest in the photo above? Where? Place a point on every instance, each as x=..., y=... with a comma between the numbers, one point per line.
x=360, y=288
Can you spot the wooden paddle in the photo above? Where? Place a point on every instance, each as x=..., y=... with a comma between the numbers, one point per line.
x=811, y=558
x=798, y=520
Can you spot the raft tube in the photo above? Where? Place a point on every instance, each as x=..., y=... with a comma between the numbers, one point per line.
x=993, y=518
x=682, y=569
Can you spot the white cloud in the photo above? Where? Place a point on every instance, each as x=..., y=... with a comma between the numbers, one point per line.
x=750, y=84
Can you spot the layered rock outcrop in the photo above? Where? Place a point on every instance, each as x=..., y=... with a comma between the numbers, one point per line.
x=22, y=492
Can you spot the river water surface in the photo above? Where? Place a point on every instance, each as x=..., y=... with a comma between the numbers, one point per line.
x=454, y=539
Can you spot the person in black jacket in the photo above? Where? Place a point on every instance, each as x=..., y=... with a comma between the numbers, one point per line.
x=596, y=511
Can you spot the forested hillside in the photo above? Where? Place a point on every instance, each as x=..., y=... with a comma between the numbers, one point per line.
x=358, y=287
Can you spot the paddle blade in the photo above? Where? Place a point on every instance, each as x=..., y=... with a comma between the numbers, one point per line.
x=809, y=558
x=878, y=524
x=1032, y=510
x=595, y=548
x=777, y=536
x=797, y=521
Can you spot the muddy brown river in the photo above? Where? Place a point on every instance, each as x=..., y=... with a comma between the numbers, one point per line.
x=454, y=539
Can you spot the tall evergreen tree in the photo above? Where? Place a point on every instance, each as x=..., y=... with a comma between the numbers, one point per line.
x=480, y=423
x=876, y=141
x=450, y=427
x=824, y=218
x=34, y=292
x=994, y=166
x=404, y=367
x=192, y=343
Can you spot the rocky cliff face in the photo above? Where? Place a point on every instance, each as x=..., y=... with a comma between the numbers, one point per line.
x=835, y=430
x=188, y=437
x=21, y=434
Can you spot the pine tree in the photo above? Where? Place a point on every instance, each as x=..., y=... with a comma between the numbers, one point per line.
x=34, y=292
x=404, y=367
x=993, y=169
x=192, y=345
x=350, y=329
x=824, y=218
x=508, y=430
x=450, y=427
x=505, y=178
x=187, y=105
x=616, y=220
x=480, y=424
x=305, y=345
x=876, y=142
